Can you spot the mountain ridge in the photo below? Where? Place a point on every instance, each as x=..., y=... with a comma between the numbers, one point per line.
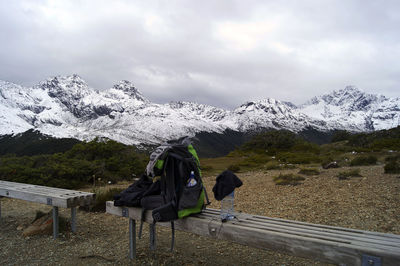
x=67, y=107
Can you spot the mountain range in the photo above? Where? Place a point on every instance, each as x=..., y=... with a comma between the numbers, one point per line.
x=66, y=107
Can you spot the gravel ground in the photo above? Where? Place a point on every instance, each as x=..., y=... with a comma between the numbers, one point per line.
x=371, y=202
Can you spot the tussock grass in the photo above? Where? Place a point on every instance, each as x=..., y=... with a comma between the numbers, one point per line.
x=234, y=168
x=350, y=173
x=273, y=165
x=103, y=195
x=364, y=160
x=392, y=167
x=288, y=179
x=309, y=171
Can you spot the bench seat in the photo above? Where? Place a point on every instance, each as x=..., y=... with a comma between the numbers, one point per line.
x=56, y=197
x=321, y=242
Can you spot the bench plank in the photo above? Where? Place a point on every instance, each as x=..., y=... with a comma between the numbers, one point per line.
x=59, y=197
x=56, y=197
x=321, y=242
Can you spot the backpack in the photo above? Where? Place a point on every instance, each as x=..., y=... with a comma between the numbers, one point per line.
x=132, y=196
x=170, y=196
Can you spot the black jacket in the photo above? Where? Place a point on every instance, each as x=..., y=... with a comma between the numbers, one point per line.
x=226, y=183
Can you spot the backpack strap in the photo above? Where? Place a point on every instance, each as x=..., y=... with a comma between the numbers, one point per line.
x=205, y=194
x=172, y=235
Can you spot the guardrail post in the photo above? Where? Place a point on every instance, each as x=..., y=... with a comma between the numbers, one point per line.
x=55, y=222
x=152, y=230
x=132, y=238
x=73, y=219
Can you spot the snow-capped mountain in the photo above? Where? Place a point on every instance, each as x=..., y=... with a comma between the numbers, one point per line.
x=354, y=110
x=68, y=107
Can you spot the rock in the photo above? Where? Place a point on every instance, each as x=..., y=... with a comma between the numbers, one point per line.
x=40, y=226
x=330, y=165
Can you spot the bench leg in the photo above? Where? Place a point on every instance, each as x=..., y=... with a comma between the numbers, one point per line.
x=152, y=230
x=73, y=219
x=132, y=238
x=55, y=222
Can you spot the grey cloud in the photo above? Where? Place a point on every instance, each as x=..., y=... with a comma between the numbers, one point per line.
x=180, y=50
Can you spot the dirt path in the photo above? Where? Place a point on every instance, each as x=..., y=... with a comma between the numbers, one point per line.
x=371, y=202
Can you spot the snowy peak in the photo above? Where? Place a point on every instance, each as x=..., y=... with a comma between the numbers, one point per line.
x=271, y=113
x=269, y=105
x=350, y=97
x=66, y=88
x=128, y=88
x=353, y=109
x=203, y=110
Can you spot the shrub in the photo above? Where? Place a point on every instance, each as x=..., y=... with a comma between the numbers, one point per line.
x=309, y=171
x=258, y=159
x=298, y=157
x=306, y=147
x=340, y=135
x=392, y=167
x=350, y=173
x=102, y=196
x=255, y=160
x=386, y=143
x=272, y=165
x=75, y=168
x=272, y=141
x=364, y=160
x=288, y=179
x=392, y=158
x=234, y=168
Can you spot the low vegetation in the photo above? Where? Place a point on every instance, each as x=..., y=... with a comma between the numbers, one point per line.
x=350, y=173
x=392, y=168
x=86, y=163
x=234, y=168
x=392, y=165
x=281, y=149
x=364, y=160
x=309, y=171
x=103, y=195
x=288, y=179
x=272, y=165
x=103, y=161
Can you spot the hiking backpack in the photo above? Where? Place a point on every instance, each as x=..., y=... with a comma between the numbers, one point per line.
x=170, y=197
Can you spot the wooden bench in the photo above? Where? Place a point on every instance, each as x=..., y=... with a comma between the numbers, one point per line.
x=55, y=197
x=324, y=243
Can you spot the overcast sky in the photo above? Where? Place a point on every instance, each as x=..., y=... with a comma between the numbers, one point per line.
x=221, y=53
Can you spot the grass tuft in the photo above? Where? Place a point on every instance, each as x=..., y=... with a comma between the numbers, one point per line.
x=234, y=168
x=309, y=171
x=392, y=167
x=103, y=195
x=364, y=160
x=350, y=173
x=288, y=179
